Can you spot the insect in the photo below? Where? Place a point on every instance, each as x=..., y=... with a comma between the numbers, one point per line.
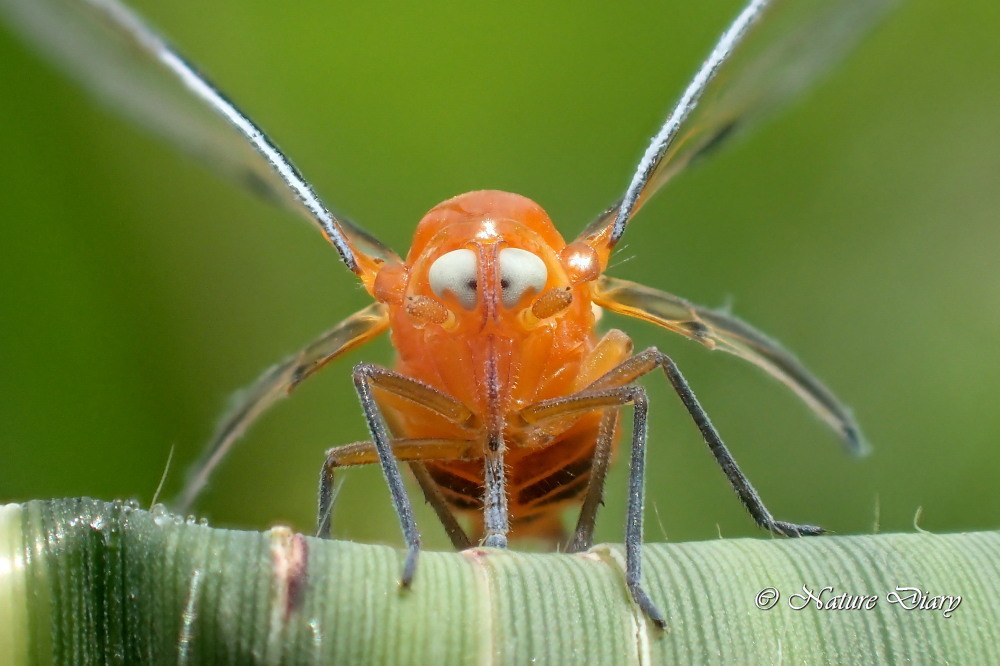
x=504, y=401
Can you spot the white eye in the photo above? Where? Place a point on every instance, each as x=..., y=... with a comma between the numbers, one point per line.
x=520, y=271
x=455, y=271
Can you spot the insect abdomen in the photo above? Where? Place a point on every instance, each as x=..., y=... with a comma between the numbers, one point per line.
x=540, y=481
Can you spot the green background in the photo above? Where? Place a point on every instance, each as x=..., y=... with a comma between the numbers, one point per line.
x=137, y=291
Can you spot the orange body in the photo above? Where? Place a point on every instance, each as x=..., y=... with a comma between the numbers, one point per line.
x=497, y=358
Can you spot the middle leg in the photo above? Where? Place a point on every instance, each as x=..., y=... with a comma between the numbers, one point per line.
x=652, y=358
x=412, y=451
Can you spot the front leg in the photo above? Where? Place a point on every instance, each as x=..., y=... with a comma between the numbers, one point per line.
x=362, y=376
x=609, y=393
x=609, y=400
x=366, y=377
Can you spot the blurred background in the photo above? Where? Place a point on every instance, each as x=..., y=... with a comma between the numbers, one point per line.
x=859, y=227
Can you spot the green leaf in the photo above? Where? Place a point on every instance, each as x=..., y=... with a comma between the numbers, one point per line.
x=83, y=581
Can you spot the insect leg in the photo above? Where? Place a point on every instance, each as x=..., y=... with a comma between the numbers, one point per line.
x=407, y=450
x=651, y=358
x=401, y=501
x=368, y=376
x=274, y=384
x=583, y=536
x=592, y=400
x=459, y=539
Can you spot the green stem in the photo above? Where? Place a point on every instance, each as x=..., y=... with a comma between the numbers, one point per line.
x=83, y=581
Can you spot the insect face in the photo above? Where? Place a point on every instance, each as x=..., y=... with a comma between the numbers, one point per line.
x=487, y=263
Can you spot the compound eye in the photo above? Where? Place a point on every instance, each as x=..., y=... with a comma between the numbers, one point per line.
x=455, y=271
x=520, y=271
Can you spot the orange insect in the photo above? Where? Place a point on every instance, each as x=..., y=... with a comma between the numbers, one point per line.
x=504, y=402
